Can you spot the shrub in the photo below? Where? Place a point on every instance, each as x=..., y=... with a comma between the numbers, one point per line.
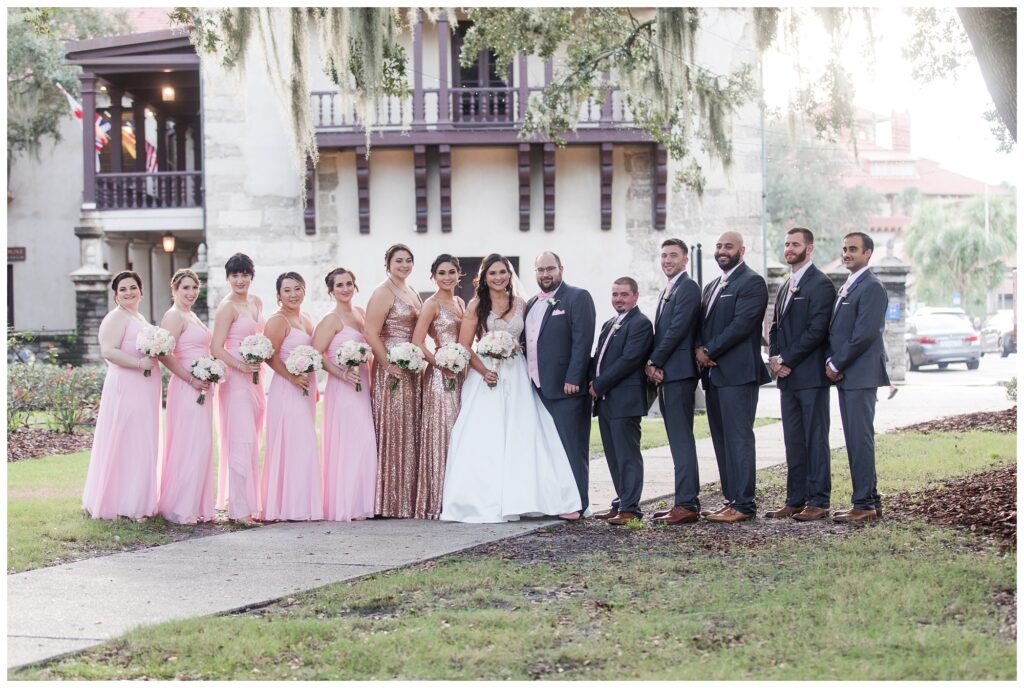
x=1011, y=389
x=73, y=395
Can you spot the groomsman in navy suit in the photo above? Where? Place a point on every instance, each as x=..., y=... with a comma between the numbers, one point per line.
x=797, y=341
x=558, y=339
x=856, y=363
x=673, y=367
x=619, y=389
x=729, y=353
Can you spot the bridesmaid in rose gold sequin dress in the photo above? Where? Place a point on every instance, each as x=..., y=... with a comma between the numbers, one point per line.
x=441, y=318
x=390, y=320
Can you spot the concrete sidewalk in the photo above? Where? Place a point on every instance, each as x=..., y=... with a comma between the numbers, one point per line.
x=64, y=609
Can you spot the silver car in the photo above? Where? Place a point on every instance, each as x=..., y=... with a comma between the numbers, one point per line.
x=941, y=339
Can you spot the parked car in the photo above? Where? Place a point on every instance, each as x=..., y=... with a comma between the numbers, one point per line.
x=1000, y=334
x=942, y=310
x=941, y=339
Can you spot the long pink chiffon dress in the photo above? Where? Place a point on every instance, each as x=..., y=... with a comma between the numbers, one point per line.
x=348, y=442
x=186, y=477
x=122, y=476
x=291, y=467
x=241, y=407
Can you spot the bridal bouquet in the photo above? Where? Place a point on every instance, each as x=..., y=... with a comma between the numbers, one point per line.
x=304, y=359
x=353, y=354
x=154, y=341
x=499, y=345
x=208, y=369
x=406, y=356
x=256, y=349
x=453, y=357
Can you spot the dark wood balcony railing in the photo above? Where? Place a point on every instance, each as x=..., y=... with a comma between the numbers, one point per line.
x=134, y=190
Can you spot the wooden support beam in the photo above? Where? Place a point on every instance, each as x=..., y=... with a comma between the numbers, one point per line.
x=444, y=155
x=658, y=198
x=549, y=187
x=417, y=75
x=139, y=125
x=88, y=88
x=419, y=159
x=524, y=187
x=607, y=152
x=363, y=186
x=309, y=212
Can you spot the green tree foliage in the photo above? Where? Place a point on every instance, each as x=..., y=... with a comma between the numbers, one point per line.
x=804, y=188
x=35, y=47
x=950, y=252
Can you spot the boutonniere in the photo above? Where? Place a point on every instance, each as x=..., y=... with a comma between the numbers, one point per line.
x=667, y=296
x=724, y=283
x=615, y=327
x=794, y=290
x=843, y=292
x=552, y=303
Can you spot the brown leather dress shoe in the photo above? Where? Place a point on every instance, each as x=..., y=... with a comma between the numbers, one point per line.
x=605, y=515
x=709, y=511
x=661, y=513
x=855, y=516
x=677, y=515
x=784, y=512
x=730, y=515
x=810, y=513
x=622, y=519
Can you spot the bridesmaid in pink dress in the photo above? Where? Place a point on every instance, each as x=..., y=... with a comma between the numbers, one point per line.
x=348, y=447
x=122, y=476
x=186, y=474
x=241, y=405
x=291, y=469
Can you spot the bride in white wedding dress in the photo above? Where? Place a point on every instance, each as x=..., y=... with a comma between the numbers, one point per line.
x=505, y=459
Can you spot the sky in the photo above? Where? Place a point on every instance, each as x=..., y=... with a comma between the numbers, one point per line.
x=946, y=116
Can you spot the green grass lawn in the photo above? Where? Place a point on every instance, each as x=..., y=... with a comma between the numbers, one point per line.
x=652, y=431
x=892, y=600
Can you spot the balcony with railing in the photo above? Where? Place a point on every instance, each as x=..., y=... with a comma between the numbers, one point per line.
x=135, y=191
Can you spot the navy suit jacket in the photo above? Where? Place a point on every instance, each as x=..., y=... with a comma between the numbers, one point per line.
x=675, y=332
x=731, y=331
x=622, y=381
x=800, y=333
x=855, y=335
x=565, y=341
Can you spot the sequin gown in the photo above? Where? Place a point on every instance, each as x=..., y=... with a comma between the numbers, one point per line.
x=241, y=408
x=348, y=446
x=186, y=476
x=291, y=488
x=122, y=476
x=396, y=418
x=440, y=408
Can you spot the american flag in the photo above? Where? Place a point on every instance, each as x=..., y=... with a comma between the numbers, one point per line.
x=102, y=137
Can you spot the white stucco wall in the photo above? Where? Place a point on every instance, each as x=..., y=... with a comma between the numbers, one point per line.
x=45, y=195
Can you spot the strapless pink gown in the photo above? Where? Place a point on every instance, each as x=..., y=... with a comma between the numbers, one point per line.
x=348, y=442
x=291, y=467
x=241, y=407
x=186, y=477
x=122, y=476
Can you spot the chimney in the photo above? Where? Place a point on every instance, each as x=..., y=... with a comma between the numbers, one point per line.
x=901, y=131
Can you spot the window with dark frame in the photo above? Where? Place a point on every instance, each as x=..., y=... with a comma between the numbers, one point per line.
x=479, y=94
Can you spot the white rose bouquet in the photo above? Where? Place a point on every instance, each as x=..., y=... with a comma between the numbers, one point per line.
x=406, y=356
x=208, y=369
x=304, y=359
x=154, y=341
x=353, y=354
x=453, y=357
x=256, y=349
x=499, y=345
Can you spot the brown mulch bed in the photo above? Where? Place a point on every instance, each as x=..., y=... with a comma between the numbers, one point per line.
x=997, y=421
x=984, y=503
x=30, y=443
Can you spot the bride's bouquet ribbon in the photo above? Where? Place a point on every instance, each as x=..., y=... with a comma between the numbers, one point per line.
x=154, y=341
x=302, y=360
x=208, y=369
x=353, y=354
x=256, y=349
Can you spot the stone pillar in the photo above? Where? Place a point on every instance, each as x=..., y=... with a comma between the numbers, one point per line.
x=91, y=283
x=116, y=121
x=201, y=307
x=88, y=86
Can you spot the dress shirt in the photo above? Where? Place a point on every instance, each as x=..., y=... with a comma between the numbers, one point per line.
x=533, y=322
x=611, y=333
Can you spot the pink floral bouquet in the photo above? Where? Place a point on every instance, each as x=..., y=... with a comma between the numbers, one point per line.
x=453, y=357
x=499, y=345
x=154, y=341
x=406, y=356
x=304, y=359
x=256, y=349
x=353, y=354
x=208, y=369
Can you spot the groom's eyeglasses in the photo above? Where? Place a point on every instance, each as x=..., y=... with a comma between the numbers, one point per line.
x=546, y=271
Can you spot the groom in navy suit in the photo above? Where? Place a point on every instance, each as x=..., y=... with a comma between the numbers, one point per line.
x=558, y=338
